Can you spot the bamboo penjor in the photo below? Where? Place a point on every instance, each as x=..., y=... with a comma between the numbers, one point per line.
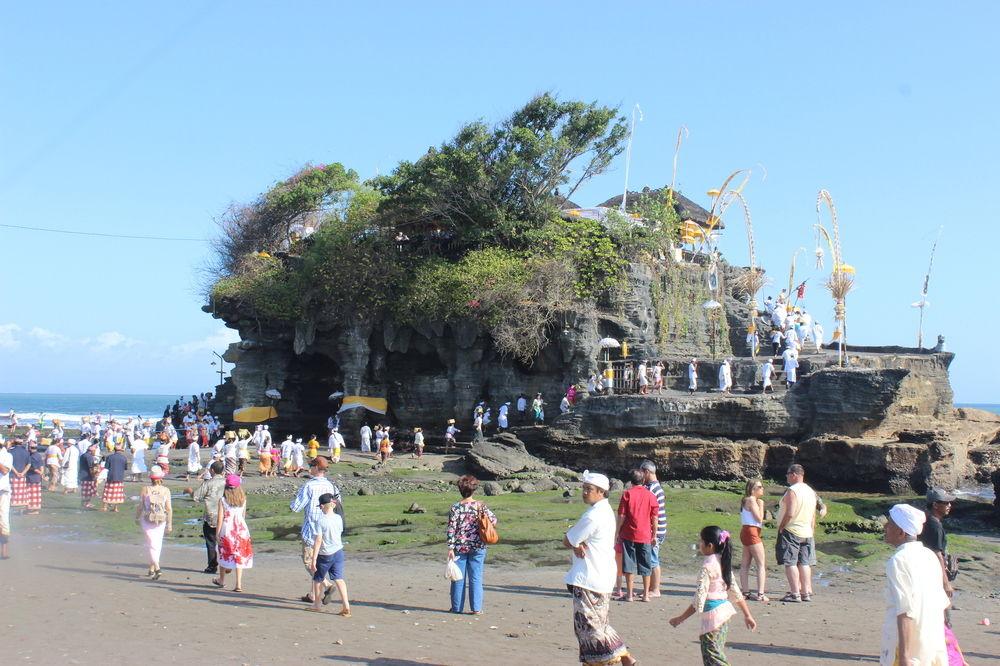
x=841, y=280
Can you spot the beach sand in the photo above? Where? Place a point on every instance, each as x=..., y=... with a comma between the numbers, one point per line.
x=90, y=603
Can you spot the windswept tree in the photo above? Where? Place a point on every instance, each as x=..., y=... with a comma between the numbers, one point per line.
x=267, y=223
x=491, y=185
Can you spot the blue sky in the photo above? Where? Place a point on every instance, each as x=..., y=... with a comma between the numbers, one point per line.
x=149, y=119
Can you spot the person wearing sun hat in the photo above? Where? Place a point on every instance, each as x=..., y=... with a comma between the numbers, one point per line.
x=591, y=578
x=449, y=435
x=913, y=631
x=154, y=514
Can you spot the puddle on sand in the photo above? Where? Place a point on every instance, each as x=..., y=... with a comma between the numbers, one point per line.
x=193, y=521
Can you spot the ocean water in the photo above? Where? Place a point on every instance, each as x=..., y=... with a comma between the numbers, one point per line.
x=986, y=406
x=71, y=407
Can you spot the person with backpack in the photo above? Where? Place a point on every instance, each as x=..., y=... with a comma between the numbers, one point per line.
x=155, y=516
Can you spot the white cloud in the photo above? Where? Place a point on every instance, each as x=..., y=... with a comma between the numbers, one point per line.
x=111, y=340
x=48, y=339
x=217, y=342
x=8, y=336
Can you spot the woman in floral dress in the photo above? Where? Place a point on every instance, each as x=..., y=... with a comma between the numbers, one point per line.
x=232, y=536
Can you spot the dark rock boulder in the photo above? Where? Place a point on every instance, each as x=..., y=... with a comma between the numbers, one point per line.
x=501, y=457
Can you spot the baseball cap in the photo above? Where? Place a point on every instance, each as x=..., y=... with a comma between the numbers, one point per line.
x=938, y=495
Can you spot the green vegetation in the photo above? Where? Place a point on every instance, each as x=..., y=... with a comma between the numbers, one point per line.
x=531, y=525
x=470, y=231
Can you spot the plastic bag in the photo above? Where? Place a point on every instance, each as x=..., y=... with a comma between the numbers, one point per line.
x=452, y=572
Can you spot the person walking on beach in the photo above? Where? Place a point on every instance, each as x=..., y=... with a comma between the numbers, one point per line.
x=591, y=577
x=193, y=460
x=796, y=549
x=114, y=485
x=335, y=443
x=328, y=556
x=139, y=447
x=933, y=535
x=307, y=499
x=366, y=438
x=752, y=521
x=418, y=442
x=466, y=547
x=33, y=480
x=53, y=458
x=232, y=536
x=638, y=513
x=715, y=597
x=155, y=516
x=88, y=476
x=6, y=465
x=21, y=461
x=209, y=493
x=538, y=409
x=70, y=468
x=648, y=468
x=914, y=629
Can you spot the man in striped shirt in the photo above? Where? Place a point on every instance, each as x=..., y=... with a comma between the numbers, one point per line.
x=648, y=468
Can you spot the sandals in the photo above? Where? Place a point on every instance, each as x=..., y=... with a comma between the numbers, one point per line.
x=327, y=594
x=790, y=598
x=344, y=613
x=807, y=596
x=756, y=596
x=218, y=583
x=237, y=589
x=156, y=575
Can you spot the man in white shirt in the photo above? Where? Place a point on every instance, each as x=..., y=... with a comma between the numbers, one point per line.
x=307, y=498
x=591, y=578
x=6, y=463
x=913, y=632
x=522, y=409
x=366, y=439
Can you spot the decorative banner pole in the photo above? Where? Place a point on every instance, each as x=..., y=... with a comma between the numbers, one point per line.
x=628, y=155
x=753, y=280
x=923, y=302
x=841, y=281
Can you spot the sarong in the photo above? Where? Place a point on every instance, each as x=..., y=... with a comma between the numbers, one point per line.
x=713, y=646
x=265, y=464
x=599, y=643
x=154, y=540
x=33, y=493
x=18, y=491
x=88, y=489
x=114, y=492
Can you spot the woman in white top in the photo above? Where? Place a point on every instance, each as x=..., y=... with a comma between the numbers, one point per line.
x=752, y=519
x=70, y=462
x=138, y=469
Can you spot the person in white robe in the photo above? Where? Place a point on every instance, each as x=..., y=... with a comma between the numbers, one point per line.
x=564, y=405
x=791, y=365
x=70, y=464
x=298, y=456
x=818, y=335
x=725, y=377
x=334, y=443
x=138, y=468
x=366, y=438
x=502, y=419
x=194, y=460
x=913, y=630
x=767, y=374
x=693, y=376
x=641, y=374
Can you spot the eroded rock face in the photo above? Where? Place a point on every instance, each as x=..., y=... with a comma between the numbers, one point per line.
x=885, y=423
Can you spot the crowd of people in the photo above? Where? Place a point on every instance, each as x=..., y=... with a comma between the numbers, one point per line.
x=612, y=548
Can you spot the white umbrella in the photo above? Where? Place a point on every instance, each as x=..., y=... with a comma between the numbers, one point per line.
x=711, y=305
x=335, y=395
x=609, y=343
x=274, y=394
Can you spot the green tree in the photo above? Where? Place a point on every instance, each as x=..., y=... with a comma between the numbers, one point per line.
x=494, y=184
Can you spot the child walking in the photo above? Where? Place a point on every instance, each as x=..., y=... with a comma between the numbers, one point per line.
x=715, y=596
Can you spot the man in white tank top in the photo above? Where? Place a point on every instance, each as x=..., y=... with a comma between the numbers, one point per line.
x=796, y=548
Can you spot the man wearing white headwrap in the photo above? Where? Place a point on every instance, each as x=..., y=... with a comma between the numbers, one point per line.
x=913, y=632
x=591, y=578
x=725, y=377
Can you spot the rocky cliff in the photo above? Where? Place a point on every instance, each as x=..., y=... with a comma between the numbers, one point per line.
x=886, y=423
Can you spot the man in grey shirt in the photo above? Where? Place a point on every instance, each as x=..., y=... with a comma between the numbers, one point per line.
x=209, y=493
